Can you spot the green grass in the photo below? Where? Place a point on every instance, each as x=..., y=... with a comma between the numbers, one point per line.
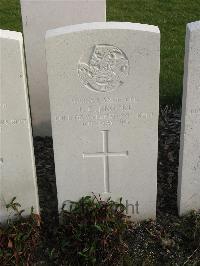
x=10, y=15
x=170, y=15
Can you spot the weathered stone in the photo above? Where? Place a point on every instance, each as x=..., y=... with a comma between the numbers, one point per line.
x=104, y=94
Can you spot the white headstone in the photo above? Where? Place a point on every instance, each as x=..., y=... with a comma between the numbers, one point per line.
x=104, y=93
x=17, y=170
x=38, y=17
x=189, y=164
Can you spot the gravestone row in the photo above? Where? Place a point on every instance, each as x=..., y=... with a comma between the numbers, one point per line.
x=104, y=95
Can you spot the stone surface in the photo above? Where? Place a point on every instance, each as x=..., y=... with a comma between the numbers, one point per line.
x=17, y=169
x=189, y=164
x=38, y=17
x=104, y=94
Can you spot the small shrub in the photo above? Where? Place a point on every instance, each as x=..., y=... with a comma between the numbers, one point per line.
x=92, y=232
x=19, y=237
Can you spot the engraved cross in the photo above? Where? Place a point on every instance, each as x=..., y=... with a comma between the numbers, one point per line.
x=105, y=156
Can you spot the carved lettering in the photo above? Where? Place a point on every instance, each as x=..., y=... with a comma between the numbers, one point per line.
x=103, y=111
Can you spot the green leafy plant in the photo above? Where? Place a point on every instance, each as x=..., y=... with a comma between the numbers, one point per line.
x=19, y=237
x=97, y=232
x=92, y=232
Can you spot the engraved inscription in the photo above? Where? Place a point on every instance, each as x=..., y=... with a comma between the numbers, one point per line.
x=105, y=156
x=194, y=115
x=9, y=122
x=103, y=111
x=3, y=105
x=12, y=121
x=107, y=69
x=195, y=111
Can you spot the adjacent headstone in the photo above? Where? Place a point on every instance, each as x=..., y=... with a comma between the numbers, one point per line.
x=189, y=165
x=38, y=17
x=104, y=94
x=17, y=170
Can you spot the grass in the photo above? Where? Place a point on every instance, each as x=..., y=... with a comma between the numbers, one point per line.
x=10, y=15
x=170, y=15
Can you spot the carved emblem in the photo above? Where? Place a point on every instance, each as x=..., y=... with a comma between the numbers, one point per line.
x=106, y=70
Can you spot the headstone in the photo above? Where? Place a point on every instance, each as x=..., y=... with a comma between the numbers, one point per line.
x=17, y=170
x=38, y=17
x=104, y=88
x=189, y=164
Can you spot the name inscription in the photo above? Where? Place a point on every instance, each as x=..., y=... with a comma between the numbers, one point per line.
x=104, y=111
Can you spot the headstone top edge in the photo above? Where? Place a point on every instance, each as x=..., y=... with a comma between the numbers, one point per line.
x=13, y=35
x=102, y=26
x=193, y=26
